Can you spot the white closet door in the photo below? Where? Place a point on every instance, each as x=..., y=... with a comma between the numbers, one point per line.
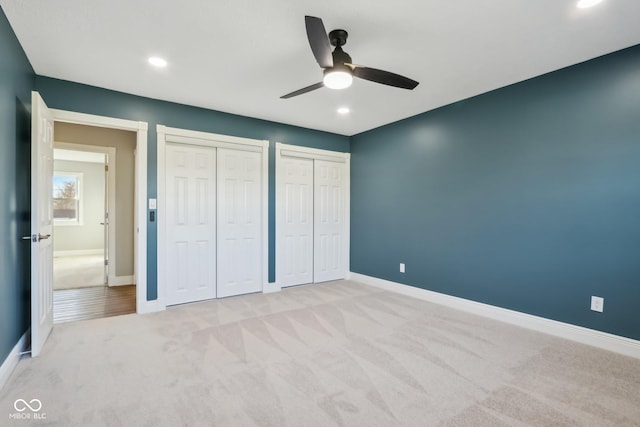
x=296, y=222
x=239, y=222
x=191, y=223
x=329, y=221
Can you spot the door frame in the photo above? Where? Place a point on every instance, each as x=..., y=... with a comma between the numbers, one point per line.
x=110, y=247
x=140, y=197
x=287, y=150
x=184, y=136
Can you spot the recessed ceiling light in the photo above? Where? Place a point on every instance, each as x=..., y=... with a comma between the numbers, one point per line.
x=583, y=4
x=343, y=110
x=156, y=61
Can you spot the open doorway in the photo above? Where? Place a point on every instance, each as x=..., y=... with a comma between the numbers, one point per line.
x=80, y=214
x=94, y=217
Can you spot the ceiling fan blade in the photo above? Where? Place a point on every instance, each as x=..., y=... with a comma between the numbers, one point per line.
x=319, y=41
x=303, y=90
x=384, y=77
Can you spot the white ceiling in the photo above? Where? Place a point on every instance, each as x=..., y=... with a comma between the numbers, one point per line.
x=240, y=56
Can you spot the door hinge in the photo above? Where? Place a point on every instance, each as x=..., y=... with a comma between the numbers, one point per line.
x=106, y=262
x=106, y=168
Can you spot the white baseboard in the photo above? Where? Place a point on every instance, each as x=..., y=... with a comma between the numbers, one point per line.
x=606, y=341
x=12, y=360
x=271, y=287
x=122, y=280
x=79, y=252
x=145, y=307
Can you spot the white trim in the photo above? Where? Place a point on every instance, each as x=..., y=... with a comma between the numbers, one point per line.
x=217, y=143
x=306, y=155
x=140, y=223
x=287, y=150
x=271, y=287
x=161, y=188
x=78, y=252
x=265, y=217
x=186, y=136
x=347, y=218
x=167, y=134
x=152, y=306
x=98, y=121
x=10, y=363
x=140, y=220
x=606, y=341
x=122, y=280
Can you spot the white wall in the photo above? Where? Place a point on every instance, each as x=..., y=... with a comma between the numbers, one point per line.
x=89, y=235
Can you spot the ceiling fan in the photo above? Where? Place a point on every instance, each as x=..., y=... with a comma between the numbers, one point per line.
x=338, y=68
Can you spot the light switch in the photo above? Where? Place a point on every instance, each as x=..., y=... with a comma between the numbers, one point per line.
x=153, y=203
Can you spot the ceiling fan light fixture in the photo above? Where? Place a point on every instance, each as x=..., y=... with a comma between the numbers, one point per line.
x=338, y=68
x=338, y=78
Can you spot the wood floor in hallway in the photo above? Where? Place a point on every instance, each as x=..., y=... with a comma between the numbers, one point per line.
x=93, y=302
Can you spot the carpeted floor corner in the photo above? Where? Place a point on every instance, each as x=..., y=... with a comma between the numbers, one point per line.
x=333, y=354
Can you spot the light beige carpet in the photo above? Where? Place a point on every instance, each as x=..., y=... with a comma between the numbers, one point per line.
x=71, y=272
x=334, y=354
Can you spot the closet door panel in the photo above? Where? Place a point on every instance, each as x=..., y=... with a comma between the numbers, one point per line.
x=329, y=221
x=239, y=222
x=191, y=223
x=296, y=222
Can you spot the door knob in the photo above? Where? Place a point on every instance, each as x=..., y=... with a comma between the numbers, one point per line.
x=36, y=237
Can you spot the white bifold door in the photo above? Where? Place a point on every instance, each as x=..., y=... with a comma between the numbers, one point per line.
x=239, y=222
x=296, y=226
x=312, y=221
x=329, y=221
x=213, y=222
x=191, y=223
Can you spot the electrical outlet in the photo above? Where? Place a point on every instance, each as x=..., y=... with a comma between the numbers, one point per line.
x=402, y=267
x=597, y=304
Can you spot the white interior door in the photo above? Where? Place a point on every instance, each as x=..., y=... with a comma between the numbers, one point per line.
x=329, y=221
x=41, y=223
x=191, y=223
x=239, y=222
x=296, y=222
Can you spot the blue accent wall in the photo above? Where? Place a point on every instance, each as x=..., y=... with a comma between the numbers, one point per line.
x=17, y=79
x=526, y=197
x=70, y=96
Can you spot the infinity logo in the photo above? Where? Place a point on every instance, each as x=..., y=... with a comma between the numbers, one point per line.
x=21, y=405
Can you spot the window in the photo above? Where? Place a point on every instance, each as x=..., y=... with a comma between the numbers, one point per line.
x=67, y=208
